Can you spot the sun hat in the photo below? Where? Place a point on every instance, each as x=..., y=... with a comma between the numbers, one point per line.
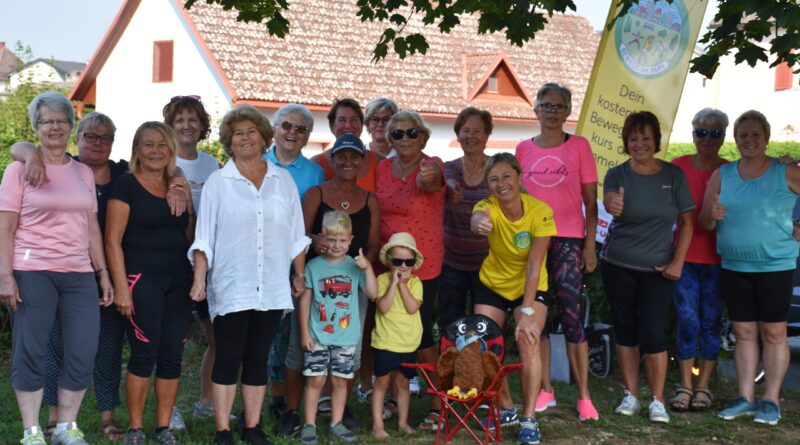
x=348, y=142
x=400, y=239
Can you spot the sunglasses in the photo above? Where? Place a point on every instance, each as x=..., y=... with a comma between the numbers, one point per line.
x=702, y=133
x=412, y=133
x=379, y=120
x=287, y=127
x=552, y=108
x=190, y=97
x=408, y=262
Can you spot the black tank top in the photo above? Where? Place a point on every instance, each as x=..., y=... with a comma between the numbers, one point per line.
x=359, y=219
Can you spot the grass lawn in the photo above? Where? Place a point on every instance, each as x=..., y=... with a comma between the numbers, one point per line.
x=559, y=425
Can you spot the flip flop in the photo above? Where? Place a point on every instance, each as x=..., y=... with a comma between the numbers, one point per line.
x=389, y=409
x=680, y=399
x=430, y=422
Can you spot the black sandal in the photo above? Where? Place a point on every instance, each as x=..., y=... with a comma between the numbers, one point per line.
x=702, y=399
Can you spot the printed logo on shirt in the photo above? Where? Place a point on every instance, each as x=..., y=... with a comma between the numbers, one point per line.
x=547, y=171
x=666, y=187
x=522, y=240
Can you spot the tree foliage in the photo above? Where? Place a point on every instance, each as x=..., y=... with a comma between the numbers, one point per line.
x=751, y=30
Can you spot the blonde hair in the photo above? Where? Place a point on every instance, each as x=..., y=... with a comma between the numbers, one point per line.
x=167, y=133
x=337, y=221
x=753, y=115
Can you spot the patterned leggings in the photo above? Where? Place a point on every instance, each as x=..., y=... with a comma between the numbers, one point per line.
x=699, y=305
x=564, y=257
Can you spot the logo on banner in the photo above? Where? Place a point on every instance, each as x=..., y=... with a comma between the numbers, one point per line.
x=652, y=37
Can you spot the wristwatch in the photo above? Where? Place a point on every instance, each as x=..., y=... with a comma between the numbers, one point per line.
x=527, y=310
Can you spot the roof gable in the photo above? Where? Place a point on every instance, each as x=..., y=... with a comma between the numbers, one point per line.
x=493, y=76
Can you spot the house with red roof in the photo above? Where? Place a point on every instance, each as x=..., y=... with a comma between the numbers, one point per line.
x=155, y=49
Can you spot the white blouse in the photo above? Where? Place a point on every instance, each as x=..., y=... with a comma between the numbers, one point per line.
x=250, y=237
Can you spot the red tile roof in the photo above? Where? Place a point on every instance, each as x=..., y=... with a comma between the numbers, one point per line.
x=327, y=54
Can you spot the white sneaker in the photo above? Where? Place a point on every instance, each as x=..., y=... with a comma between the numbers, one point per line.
x=629, y=405
x=657, y=412
x=413, y=386
x=176, y=422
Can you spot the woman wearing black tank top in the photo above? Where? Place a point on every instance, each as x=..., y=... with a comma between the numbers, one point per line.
x=342, y=193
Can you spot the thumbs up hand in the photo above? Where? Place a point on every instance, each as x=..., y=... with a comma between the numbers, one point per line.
x=717, y=210
x=361, y=261
x=484, y=224
x=616, y=202
x=454, y=193
x=427, y=171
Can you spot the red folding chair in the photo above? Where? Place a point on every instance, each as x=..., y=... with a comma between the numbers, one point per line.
x=457, y=413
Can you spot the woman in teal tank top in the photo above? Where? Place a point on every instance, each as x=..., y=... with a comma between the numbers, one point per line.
x=749, y=202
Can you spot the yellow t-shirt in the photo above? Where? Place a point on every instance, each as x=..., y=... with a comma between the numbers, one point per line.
x=503, y=271
x=397, y=330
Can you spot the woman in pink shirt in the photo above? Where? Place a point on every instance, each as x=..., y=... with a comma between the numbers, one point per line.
x=50, y=252
x=558, y=168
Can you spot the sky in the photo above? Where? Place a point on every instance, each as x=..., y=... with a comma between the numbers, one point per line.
x=72, y=30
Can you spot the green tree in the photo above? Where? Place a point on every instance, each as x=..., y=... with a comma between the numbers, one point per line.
x=751, y=30
x=14, y=123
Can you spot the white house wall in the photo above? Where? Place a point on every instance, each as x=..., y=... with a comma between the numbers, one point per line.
x=39, y=72
x=735, y=89
x=125, y=88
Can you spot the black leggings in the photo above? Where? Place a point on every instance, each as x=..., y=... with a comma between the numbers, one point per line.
x=243, y=339
x=162, y=311
x=640, y=303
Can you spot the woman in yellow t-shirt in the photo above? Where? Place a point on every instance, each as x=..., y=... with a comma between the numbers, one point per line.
x=513, y=276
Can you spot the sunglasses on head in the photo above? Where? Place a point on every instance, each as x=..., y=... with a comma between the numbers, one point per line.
x=408, y=262
x=190, y=97
x=287, y=126
x=412, y=133
x=702, y=133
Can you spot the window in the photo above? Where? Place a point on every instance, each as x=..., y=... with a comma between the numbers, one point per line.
x=783, y=77
x=491, y=87
x=162, y=61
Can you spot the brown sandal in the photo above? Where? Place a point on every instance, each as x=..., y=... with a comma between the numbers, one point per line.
x=111, y=430
x=702, y=399
x=681, y=399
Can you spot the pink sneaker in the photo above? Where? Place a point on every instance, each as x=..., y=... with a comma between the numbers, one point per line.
x=545, y=400
x=586, y=410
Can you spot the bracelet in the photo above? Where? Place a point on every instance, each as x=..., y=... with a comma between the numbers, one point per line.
x=301, y=275
x=98, y=271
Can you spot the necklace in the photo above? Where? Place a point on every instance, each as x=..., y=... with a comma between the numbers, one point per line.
x=471, y=174
x=344, y=203
x=406, y=168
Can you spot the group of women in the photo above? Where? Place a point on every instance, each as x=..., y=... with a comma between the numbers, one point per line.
x=503, y=236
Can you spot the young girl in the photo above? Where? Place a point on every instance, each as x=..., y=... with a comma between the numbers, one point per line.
x=398, y=302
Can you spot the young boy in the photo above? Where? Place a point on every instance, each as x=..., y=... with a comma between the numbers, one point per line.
x=329, y=324
x=398, y=328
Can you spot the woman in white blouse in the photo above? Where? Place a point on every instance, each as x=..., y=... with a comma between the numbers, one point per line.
x=249, y=233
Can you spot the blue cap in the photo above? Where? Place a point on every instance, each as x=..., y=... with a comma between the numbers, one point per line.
x=348, y=142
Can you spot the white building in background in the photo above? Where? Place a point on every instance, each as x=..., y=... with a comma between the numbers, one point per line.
x=155, y=50
x=40, y=71
x=735, y=89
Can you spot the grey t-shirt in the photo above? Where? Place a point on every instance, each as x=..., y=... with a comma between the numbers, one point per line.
x=641, y=238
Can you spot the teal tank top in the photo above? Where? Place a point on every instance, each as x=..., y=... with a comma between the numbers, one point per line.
x=756, y=233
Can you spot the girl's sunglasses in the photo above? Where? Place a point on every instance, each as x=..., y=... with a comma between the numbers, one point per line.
x=408, y=262
x=412, y=133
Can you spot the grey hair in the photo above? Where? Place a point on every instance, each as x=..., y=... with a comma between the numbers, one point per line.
x=408, y=116
x=710, y=116
x=52, y=100
x=379, y=104
x=94, y=120
x=560, y=89
x=288, y=109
